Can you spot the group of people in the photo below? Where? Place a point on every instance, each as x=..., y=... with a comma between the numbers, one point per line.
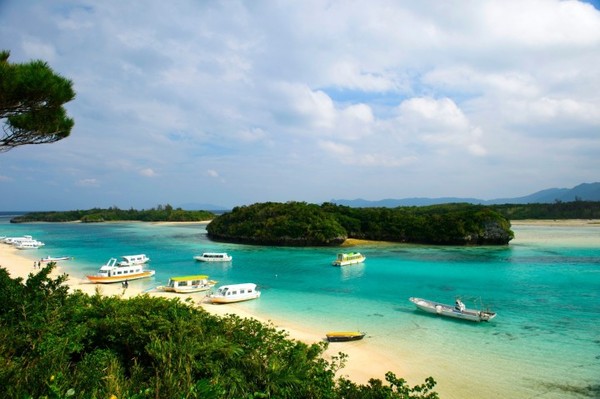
x=37, y=265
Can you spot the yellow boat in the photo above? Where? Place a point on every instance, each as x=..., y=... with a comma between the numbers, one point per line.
x=344, y=336
x=188, y=284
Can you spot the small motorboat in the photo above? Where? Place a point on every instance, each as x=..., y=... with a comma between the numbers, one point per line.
x=345, y=336
x=234, y=293
x=55, y=258
x=345, y=259
x=214, y=257
x=188, y=284
x=458, y=311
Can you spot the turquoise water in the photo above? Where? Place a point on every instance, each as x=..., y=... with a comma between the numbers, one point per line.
x=545, y=287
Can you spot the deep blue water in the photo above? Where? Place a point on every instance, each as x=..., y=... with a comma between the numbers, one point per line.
x=545, y=288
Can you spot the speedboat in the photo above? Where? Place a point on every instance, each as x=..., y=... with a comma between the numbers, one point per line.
x=55, y=258
x=188, y=284
x=234, y=293
x=349, y=259
x=458, y=311
x=113, y=272
x=213, y=257
x=344, y=336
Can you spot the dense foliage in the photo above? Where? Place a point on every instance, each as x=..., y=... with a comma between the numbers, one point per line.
x=272, y=223
x=299, y=223
x=556, y=210
x=32, y=96
x=159, y=214
x=56, y=344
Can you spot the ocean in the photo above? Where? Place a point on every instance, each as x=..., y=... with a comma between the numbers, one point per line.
x=545, y=287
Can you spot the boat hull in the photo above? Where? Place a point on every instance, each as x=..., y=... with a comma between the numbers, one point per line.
x=55, y=259
x=349, y=259
x=221, y=299
x=345, y=336
x=120, y=279
x=450, y=311
x=213, y=257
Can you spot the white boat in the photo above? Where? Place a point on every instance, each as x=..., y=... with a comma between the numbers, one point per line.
x=113, y=272
x=130, y=260
x=188, y=284
x=234, y=293
x=16, y=240
x=458, y=311
x=214, y=257
x=349, y=259
x=55, y=258
x=29, y=244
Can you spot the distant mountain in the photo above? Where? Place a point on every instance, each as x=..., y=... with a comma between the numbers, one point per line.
x=582, y=192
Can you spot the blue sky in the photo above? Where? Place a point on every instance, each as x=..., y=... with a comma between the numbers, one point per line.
x=236, y=102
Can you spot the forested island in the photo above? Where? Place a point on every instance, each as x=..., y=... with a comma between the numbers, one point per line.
x=161, y=213
x=303, y=224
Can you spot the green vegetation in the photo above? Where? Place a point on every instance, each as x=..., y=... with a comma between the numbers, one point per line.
x=56, y=344
x=31, y=104
x=299, y=223
x=556, y=210
x=160, y=214
x=272, y=223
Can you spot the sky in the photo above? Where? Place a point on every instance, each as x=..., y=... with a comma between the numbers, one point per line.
x=231, y=103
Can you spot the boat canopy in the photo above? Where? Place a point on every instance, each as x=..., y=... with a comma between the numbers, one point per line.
x=186, y=278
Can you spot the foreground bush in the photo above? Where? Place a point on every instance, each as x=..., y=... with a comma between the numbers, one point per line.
x=54, y=344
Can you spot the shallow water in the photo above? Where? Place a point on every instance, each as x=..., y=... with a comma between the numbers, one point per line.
x=545, y=287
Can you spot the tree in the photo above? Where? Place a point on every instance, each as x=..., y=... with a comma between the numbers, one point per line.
x=31, y=104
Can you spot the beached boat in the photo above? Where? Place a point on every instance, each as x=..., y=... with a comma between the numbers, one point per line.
x=458, y=311
x=14, y=240
x=55, y=258
x=130, y=260
x=234, y=293
x=214, y=257
x=28, y=244
x=188, y=284
x=349, y=259
x=113, y=272
x=344, y=336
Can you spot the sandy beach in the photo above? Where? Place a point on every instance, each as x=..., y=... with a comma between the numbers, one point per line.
x=18, y=265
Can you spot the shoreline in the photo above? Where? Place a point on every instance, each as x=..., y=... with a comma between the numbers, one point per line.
x=406, y=358
x=359, y=353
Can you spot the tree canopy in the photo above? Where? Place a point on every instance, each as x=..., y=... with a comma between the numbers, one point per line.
x=302, y=224
x=32, y=96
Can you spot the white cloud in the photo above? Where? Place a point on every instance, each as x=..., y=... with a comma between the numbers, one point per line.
x=212, y=173
x=147, y=172
x=319, y=93
x=88, y=183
